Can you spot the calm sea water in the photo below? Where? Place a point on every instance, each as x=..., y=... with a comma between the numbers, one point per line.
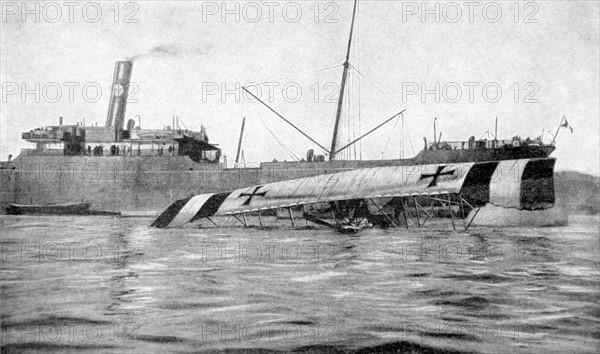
x=104, y=284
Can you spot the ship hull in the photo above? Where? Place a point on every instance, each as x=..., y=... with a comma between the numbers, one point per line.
x=146, y=185
x=139, y=185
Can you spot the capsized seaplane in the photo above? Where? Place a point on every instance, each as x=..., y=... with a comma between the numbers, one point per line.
x=382, y=196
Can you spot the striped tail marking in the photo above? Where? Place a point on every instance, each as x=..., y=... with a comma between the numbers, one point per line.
x=190, y=209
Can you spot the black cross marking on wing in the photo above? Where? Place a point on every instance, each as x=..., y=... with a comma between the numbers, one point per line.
x=436, y=175
x=252, y=195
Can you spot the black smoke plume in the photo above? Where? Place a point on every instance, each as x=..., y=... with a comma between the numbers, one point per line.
x=173, y=50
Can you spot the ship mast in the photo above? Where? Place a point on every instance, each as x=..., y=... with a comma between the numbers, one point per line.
x=342, y=89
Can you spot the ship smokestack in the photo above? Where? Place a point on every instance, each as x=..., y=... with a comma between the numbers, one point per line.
x=118, y=97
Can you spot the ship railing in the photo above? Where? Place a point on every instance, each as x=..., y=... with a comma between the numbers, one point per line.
x=45, y=152
x=449, y=145
x=40, y=136
x=483, y=144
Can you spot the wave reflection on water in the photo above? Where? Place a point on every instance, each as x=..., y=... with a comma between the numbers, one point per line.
x=103, y=284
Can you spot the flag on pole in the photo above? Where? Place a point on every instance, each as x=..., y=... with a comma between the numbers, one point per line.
x=566, y=125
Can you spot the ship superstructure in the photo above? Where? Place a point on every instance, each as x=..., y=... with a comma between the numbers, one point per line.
x=117, y=139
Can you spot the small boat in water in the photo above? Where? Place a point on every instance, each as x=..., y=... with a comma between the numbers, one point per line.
x=49, y=209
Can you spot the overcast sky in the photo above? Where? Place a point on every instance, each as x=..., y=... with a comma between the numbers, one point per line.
x=543, y=56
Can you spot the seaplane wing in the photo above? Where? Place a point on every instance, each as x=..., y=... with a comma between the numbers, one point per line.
x=499, y=183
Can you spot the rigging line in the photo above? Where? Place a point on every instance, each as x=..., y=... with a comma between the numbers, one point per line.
x=272, y=110
x=281, y=144
x=285, y=120
x=389, y=99
x=378, y=89
x=274, y=94
x=354, y=146
x=345, y=127
x=351, y=134
x=181, y=121
x=359, y=123
x=371, y=131
x=277, y=140
x=352, y=126
x=402, y=141
x=279, y=92
x=208, y=115
x=349, y=119
x=357, y=58
x=306, y=73
x=285, y=47
x=411, y=145
x=337, y=62
x=359, y=89
x=349, y=115
x=484, y=133
x=391, y=133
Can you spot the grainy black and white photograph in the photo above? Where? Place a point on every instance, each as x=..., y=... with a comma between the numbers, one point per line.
x=302, y=176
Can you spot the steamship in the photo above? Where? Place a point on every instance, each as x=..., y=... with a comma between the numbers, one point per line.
x=123, y=168
x=120, y=167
